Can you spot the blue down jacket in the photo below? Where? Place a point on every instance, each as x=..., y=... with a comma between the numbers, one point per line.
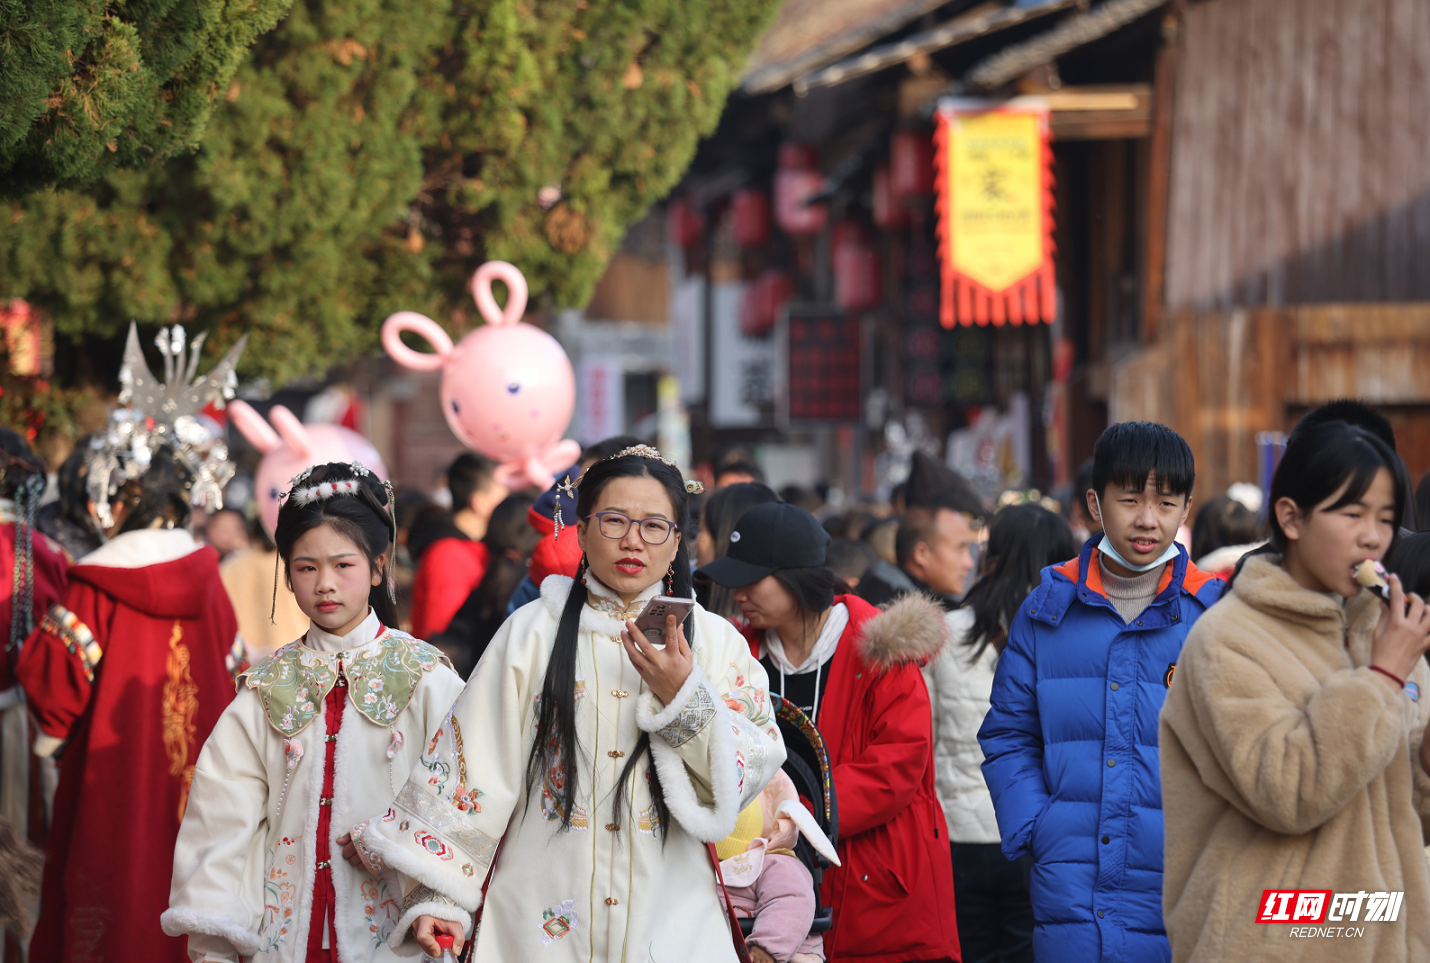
x=1070, y=747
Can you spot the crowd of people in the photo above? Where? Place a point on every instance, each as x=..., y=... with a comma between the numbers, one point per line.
x=933, y=729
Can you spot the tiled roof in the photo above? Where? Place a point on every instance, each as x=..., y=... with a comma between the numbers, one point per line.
x=809, y=34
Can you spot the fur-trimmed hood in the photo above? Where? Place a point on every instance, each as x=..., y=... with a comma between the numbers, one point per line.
x=909, y=629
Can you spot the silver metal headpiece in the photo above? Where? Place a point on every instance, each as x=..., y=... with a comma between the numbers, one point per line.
x=153, y=415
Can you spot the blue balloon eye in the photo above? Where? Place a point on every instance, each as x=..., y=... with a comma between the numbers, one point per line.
x=455, y=409
x=273, y=492
x=513, y=388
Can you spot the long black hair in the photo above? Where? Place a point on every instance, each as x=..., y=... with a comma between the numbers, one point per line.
x=159, y=496
x=361, y=517
x=1022, y=541
x=1317, y=463
x=556, y=740
x=722, y=510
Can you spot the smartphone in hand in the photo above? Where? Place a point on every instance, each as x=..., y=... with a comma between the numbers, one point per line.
x=651, y=621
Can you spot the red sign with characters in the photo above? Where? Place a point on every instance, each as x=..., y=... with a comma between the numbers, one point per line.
x=823, y=353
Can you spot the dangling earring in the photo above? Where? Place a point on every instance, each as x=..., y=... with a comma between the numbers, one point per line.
x=569, y=488
x=670, y=579
x=582, y=569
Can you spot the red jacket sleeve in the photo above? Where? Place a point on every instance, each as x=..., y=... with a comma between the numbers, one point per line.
x=448, y=572
x=882, y=780
x=58, y=663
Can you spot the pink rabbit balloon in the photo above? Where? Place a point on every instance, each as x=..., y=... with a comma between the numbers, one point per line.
x=508, y=390
x=293, y=447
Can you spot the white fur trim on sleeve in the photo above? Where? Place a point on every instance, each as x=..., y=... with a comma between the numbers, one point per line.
x=180, y=921
x=467, y=892
x=398, y=941
x=652, y=722
x=709, y=825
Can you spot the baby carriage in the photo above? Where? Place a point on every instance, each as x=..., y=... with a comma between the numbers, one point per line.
x=807, y=765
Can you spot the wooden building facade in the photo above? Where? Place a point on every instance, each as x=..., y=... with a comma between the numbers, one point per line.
x=1298, y=228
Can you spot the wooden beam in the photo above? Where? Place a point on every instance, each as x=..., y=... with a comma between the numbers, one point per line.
x=1160, y=175
x=1120, y=112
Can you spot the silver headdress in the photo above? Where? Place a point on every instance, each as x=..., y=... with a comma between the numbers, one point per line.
x=153, y=415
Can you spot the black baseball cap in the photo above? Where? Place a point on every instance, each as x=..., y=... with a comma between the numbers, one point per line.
x=767, y=538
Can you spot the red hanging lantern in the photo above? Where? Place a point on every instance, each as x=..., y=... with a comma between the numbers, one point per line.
x=751, y=210
x=684, y=222
x=911, y=164
x=890, y=214
x=763, y=300
x=856, y=269
x=798, y=179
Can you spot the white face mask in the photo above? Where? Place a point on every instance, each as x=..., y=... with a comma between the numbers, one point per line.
x=1105, y=547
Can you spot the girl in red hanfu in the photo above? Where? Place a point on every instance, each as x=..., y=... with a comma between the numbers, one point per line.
x=318, y=738
x=127, y=675
x=125, y=679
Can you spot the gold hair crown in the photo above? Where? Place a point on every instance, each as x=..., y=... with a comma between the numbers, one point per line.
x=693, y=486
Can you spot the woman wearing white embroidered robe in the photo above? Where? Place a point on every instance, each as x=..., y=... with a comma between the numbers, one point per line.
x=316, y=739
x=603, y=854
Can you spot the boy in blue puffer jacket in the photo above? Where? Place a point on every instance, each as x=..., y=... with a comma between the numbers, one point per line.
x=1070, y=743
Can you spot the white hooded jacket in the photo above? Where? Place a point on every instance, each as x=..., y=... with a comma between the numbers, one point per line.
x=959, y=691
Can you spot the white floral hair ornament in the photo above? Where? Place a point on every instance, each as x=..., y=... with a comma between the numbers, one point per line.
x=301, y=493
x=153, y=415
x=307, y=496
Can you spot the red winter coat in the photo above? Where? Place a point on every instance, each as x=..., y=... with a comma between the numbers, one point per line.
x=893, y=896
x=131, y=670
x=449, y=570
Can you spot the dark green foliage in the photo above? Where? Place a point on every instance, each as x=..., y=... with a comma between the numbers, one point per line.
x=91, y=86
x=606, y=99
x=275, y=226
x=371, y=153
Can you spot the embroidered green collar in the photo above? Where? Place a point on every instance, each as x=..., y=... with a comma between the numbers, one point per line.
x=382, y=675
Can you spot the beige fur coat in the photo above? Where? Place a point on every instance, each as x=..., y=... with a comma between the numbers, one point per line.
x=1289, y=765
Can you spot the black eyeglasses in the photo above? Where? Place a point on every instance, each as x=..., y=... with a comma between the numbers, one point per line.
x=614, y=525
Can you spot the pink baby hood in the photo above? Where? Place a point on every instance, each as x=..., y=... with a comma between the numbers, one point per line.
x=508, y=390
x=291, y=448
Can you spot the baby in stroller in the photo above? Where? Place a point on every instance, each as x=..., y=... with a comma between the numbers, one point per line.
x=766, y=881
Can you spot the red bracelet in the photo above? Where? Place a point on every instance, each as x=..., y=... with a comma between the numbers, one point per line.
x=1398, y=680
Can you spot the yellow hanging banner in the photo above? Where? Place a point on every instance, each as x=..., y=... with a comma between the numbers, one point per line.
x=995, y=217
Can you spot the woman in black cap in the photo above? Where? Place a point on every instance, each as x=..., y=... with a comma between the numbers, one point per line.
x=855, y=671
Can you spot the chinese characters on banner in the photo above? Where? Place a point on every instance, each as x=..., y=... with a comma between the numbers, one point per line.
x=742, y=367
x=995, y=215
